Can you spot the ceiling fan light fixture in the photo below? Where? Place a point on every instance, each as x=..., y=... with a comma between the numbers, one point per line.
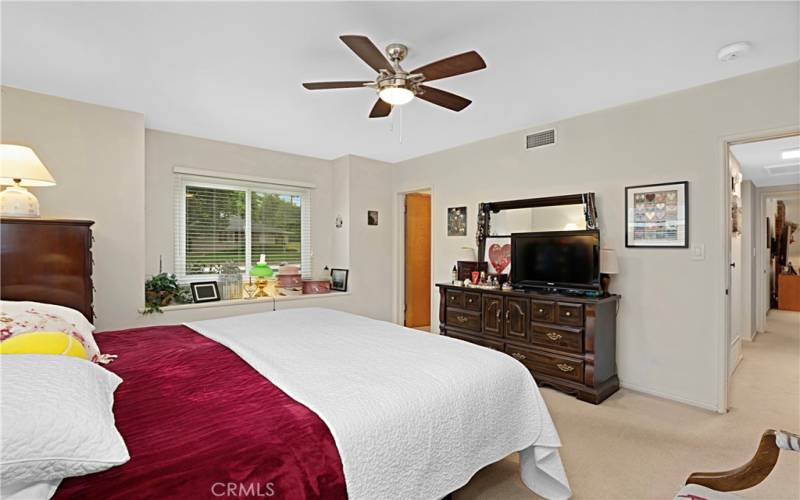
x=396, y=96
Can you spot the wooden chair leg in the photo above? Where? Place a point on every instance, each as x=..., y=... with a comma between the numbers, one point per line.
x=746, y=476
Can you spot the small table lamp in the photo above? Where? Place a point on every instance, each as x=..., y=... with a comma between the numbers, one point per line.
x=20, y=168
x=608, y=265
x=467, y=254
x=261, y=271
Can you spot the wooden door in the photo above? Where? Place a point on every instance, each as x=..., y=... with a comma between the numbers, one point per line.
x=418, y=260
x=516, y=318
x=493, y=315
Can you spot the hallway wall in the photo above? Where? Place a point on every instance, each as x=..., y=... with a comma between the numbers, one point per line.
x=737, y=295
x=748, y=303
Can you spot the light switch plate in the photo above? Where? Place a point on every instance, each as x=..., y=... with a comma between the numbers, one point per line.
x=699, y=252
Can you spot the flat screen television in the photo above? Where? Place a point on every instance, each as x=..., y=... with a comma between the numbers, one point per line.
x=556, y=259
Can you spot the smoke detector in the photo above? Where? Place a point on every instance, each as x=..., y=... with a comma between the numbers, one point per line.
x=733, y=51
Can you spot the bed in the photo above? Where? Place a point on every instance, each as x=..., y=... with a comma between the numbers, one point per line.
x=316, y=403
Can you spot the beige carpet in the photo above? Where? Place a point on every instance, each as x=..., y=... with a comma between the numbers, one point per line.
x=635, y=446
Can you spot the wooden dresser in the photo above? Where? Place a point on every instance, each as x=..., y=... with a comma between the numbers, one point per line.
x=568, y=343
x=47, y=260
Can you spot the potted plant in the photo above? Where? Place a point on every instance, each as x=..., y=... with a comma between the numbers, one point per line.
x=162, y=290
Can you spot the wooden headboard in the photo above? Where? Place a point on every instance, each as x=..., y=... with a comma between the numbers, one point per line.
x=47, y=260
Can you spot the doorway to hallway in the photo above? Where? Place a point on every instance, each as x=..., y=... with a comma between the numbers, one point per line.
x=417, y=249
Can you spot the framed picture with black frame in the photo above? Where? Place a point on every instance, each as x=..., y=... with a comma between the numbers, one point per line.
x=339, y=279
x=657, y=215
x=204, y=291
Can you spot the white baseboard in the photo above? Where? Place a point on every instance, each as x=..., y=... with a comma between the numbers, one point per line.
x=671, y=397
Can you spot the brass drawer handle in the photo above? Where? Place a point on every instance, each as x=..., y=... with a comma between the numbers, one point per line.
x=452, y=298
x=568, y=314
x=541, y=311
x=565, y=367
x=462, y=319
x=518, y=355
x=469, y=301
x=553, y=336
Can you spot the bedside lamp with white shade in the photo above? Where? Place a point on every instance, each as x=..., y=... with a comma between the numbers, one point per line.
x=467, y=254
x=608, y=266
x=21, y=168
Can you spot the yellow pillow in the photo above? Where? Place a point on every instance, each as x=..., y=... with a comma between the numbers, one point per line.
x=43, y=343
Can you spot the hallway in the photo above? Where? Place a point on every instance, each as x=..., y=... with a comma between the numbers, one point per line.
x=767, y=380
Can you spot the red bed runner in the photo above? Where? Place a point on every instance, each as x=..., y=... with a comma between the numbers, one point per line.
x=201, y=423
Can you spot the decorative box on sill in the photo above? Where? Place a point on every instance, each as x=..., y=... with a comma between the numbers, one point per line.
x=289, y=280
x=311, y=287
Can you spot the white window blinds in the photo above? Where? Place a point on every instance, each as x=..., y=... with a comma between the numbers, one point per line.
x=220, y=221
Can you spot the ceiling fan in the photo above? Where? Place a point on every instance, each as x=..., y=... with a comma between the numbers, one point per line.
x=396, y=86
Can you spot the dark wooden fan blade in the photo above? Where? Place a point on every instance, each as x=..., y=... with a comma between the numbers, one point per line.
x=444, y=99
x=381, y=109
x=333, y=85
x=367, y=51
x=452, y=66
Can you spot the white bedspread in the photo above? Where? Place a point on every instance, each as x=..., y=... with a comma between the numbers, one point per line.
x=414, y=415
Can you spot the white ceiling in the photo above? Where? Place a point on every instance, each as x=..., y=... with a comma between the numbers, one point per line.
x=754, y=156
x=232, y=71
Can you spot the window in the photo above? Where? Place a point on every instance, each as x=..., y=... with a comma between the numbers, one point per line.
x=223, y=221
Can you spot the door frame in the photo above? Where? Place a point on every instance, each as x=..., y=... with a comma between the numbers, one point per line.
x=723, y=344
x=762, y=293
x=399, y=277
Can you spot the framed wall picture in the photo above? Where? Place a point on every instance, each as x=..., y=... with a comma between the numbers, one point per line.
x=372, y=217
x=205, y=291
x=457, y=221
x=339, y=279
x=498, y=255
x=657, y=215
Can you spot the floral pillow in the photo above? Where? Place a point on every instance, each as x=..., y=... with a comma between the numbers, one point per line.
x=23, y=317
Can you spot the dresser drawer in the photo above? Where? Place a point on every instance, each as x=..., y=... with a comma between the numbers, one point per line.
x=483, y=342
x=549, y=364
x=454, y=298
x=553, y=337
x=543, y=311
x=472, y=301
x=568, y=313
x=466, y=320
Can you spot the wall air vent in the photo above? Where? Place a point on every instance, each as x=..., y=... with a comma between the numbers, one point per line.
x=539, y=139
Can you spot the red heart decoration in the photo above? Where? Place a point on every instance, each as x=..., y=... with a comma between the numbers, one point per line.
x=500, y=256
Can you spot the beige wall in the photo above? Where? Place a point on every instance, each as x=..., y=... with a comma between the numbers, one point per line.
x=113, y=171
x=371, y=247
x=346, y=186
x=96, y=155
x=670, y=323
x=164, y=151
x=670, y=327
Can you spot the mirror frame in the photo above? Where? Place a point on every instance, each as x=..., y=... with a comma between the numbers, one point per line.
x=485, y=211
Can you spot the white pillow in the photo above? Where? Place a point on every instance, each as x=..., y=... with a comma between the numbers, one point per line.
x=57, y=420
x=24, y=316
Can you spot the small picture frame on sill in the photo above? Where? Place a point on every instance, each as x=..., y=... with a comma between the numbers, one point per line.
x=339, y=279
x=204, y=291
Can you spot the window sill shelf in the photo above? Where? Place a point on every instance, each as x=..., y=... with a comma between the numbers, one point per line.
x=260, y=300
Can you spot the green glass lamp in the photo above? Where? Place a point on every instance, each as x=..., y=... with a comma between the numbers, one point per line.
x=261, y=271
